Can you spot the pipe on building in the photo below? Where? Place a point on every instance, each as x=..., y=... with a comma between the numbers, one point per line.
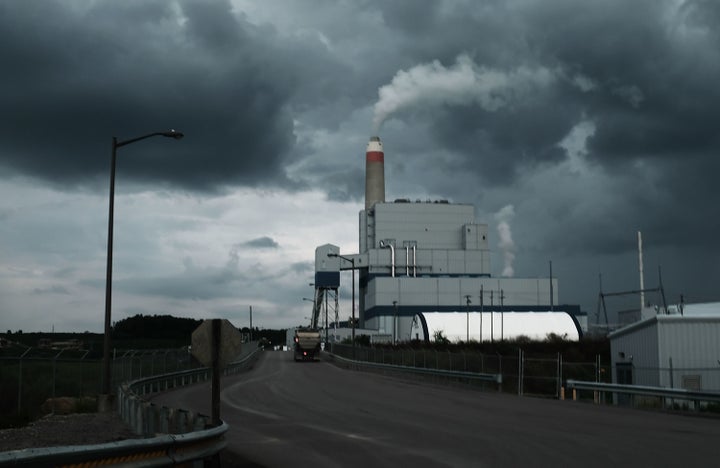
x=407, y=260
x=392, y=256
x=414, y=248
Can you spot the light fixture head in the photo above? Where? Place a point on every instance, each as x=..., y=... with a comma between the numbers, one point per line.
x=173, y=134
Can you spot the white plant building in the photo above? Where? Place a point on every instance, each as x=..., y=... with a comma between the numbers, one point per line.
x=427, y=257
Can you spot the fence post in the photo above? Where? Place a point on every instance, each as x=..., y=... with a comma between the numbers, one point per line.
x=19, y=398
x=559, y=374
x=500, y=370
x=672, y=400
x=596, y=394
x=520, y=372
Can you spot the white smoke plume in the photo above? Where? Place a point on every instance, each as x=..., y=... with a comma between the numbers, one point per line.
x=506, y=244
x=433, y=84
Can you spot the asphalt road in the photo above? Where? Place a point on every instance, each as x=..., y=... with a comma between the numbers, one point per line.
x=283, y=413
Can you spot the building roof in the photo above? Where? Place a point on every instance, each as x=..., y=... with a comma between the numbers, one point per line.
x=535, y=325
x=672, y=318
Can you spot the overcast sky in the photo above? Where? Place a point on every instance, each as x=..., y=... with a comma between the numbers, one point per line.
x=569, y=125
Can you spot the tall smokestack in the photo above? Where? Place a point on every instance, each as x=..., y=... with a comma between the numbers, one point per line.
x=374, y=173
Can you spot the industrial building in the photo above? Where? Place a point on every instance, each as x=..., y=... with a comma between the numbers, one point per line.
x=423, y=257
x=677, y=349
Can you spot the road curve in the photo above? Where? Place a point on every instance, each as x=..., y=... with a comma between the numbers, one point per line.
x=283, y=413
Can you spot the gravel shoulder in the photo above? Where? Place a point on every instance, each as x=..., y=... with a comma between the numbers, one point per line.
x=65, y=430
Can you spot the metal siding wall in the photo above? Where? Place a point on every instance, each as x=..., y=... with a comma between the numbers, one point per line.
x=363, y=232
x=486, y=262
x=386, y=291
x=470, y=237
x=456, y=262
x=474, y=263
x=448, y=291
x=418, y=291
x=474, y=237
x=431, y=225
x=642, y=345
x=451, y=291
x=439, y=261
x=691, y=343
x=523, y=291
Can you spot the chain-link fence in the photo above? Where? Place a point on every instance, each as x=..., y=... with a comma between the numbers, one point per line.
x=29, y=379
x=522, y=373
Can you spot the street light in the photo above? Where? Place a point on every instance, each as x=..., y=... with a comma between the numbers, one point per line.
x=108, y=282
x=352, y=261
x=313, y=312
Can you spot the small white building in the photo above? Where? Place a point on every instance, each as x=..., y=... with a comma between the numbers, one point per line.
x=673, y=351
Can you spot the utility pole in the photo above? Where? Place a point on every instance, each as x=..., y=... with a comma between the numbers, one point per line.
x=552, y=307
x=502, y=315
x=467, y=314
x=482, y=309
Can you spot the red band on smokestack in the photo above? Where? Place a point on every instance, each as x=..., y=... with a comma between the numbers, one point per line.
x=375, y=156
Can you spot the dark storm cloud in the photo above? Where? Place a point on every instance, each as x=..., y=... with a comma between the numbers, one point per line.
x=76, y=74
x=478, y=96
x=650, y=92
x=57, y=289
x=261, y=243
x=645, y=74
x=303, y=268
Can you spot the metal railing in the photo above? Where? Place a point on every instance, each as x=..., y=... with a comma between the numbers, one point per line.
x=663, y=392
x=164, y=450
x=447, y=374
x=523, y=373
x=146, y=418
x=187, y=437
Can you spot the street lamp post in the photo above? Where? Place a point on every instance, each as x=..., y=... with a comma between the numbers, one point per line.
x=312, y=318
x=352, y=261
x=108, y=278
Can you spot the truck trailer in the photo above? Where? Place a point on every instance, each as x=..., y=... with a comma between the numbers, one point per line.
x=307, y=344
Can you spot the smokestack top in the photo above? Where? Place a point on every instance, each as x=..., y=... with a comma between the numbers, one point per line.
x=374, y=145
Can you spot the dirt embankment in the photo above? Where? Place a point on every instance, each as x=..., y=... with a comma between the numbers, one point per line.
x=67, y=429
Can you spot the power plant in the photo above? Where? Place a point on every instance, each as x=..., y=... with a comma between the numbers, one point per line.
x=417, y=259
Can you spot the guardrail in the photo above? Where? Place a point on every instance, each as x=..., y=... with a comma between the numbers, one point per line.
x=146, y=418
x=166, y=450
x=186, y=439
x=459, y=375
x=672, y=393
